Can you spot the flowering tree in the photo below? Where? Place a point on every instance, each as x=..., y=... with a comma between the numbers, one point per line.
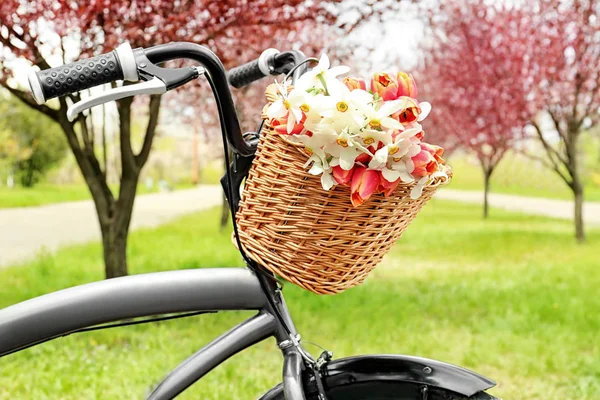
x=564, y=47
x=42, y=29
x=475, y=74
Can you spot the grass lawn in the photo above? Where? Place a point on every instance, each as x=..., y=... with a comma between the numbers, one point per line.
x=518, y=175
x=45, y=193
x=513, y=298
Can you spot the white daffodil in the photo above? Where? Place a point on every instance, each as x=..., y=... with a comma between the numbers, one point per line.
x=395, y=148
x=401, y=167
x=342, y=108
x=417, y=191
x=280, y=107
x=379, y=118
x=320, y=166
x=398, y=169
x=321, y=75
x=372, y=137
x=294, y=105
x=317, y=143
x=346, y=150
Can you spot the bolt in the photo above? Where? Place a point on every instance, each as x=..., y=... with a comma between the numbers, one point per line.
x=143, y=65
x=427, y=370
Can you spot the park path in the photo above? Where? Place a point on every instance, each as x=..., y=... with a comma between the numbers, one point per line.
x=529, y=205
x=24, y=232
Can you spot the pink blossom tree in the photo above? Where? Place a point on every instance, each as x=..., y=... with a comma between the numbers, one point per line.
x=475, y=68
x=564, y=49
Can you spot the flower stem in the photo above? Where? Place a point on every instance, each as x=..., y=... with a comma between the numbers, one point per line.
x=322, y=79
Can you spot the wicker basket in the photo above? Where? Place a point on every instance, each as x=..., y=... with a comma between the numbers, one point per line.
x=312, y=237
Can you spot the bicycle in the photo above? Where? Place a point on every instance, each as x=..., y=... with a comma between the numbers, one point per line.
x=177, y=294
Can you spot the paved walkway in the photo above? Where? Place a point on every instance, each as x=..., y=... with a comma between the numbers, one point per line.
x=26, y=231
x=529, y=205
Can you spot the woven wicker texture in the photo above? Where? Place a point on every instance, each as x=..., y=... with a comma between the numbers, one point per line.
x=312, y=237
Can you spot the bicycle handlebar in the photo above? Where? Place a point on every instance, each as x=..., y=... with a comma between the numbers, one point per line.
x=254, y=70
x=139, y=64
x=83, y=74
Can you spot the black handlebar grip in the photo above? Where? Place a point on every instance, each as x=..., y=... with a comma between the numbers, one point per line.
x=245, y=74
x=77, y=76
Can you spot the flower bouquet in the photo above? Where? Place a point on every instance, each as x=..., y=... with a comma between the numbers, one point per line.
x=340, y=171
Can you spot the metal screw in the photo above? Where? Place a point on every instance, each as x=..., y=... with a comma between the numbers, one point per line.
x=427, y=370
x=143, y=65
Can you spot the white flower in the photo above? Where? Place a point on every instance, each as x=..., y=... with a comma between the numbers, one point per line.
x=320, y=74
x=345, y=151
x=395, y=148
x=399, y=169
x=372, y=137
x=417, y=191
x=292, y=105
x=320, y=166
x=425, y=110
x=379, y=118
x=342, y=107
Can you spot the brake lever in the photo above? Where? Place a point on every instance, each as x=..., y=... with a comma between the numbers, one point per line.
x=156, y=80
x=153, y=86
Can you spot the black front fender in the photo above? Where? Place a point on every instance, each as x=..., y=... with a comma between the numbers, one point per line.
x=399, y=368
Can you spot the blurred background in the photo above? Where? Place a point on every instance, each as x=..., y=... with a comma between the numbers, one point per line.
x=498, y=274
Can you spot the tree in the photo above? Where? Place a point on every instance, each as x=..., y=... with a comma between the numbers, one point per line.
x=564, y=46
x=42, y=29
x=31, y=145
x=474, y=73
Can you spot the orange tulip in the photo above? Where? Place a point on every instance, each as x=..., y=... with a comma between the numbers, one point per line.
x=342, y=176
x=385, y=86
x=280, y=125
x=364, y=183
x=406, y=85
x=355, y=83
x=409, y=112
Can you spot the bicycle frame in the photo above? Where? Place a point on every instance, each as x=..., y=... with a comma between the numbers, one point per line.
x=205, y=290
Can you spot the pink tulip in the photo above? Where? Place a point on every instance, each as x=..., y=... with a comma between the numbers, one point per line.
x=342, y=176
x=364, y=183
x=385, y=187
x=435, y=151
x=425, y=164
x=406, y=85
x=355, y=83
x=385, y=86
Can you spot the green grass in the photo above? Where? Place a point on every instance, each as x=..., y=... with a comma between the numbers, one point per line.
x=521, y=176
x=46, y=193
x=513, y=298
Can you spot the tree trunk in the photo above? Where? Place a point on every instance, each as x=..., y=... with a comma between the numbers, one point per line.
x=579, y=228
x=114, y=241
x=195, y=162
x=486, y=191
x=225, y=204
x=224, y=213
x=576, y=184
